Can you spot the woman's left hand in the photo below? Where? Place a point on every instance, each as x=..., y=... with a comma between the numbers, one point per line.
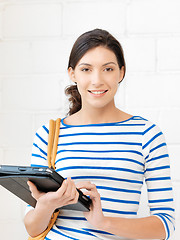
x=95, y=216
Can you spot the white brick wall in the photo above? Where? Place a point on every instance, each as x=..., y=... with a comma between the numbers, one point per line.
x=9, y=64
x=26, y=19
x=155, y=16
x=168, y=48
x=36, y=37
x=80, y=16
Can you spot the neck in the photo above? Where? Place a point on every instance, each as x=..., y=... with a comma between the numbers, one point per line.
x=96, y=115
x=92, y=115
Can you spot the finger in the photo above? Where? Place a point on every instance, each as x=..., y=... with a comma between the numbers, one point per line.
x=32, y=186
x=62, y=188
x=76, y=197
x=71, y=189
x=92, y=194
x=74, y=200
x=87, y=185
x=82, y=184
x=65, y=188
x=34, y=191
x=29, y=183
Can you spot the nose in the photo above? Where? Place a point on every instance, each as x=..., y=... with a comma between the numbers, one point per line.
x=97, y=79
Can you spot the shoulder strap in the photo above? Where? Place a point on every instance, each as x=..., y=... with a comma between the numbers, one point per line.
x=54, y=127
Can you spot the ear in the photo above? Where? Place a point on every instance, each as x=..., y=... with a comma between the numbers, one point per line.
x=71, y=74
x=121, y=74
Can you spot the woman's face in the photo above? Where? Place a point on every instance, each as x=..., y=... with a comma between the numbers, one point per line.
x=97, y=75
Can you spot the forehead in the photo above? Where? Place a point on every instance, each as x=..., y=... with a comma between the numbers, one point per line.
x=98, y=55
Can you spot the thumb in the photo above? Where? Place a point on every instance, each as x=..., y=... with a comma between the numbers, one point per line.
x=32, y=186
x=34, y=191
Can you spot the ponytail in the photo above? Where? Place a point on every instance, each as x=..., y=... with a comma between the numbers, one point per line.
x=74, y=99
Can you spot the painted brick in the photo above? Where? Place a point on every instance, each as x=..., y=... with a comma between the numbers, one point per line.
x=17, y=156
x=50, y=56
x=34, y=54
x=23, y=20
x=0, y=22
x=174, y=153
x=0, y=101
x=143, y=210
x=13, y=205
x=17, y=230
x=176, y=188
x=15, y=58
x=1, y=156
x=176, y=235
x=155, y=16
x=15, y=129
x=43, y=118
x=169, y=120
x=150, y=114
x=139, y=54
x=168, y=54
x=1, y=81
x=120, y=95
x=155, y=91
x=82, y=16
x=34, y=93
x=1, y=93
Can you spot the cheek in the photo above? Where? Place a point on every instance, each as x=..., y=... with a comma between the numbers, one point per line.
x=113, y=83
x=82, y=86
x=112, y=78
x=114, y=87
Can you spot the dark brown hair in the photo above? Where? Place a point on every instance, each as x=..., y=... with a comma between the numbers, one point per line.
x=84, y=43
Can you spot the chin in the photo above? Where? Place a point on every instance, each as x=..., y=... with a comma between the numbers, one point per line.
x=99, y=106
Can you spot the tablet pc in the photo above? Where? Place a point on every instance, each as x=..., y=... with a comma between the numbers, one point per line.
x=14, y=179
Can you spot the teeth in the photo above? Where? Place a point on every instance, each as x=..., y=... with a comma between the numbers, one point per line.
x=98, y=92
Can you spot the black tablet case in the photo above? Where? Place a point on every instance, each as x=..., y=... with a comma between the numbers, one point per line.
x=14, y=179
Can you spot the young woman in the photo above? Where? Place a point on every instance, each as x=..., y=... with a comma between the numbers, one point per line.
x=106, y=152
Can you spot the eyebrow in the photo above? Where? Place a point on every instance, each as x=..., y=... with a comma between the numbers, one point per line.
x=87, y=64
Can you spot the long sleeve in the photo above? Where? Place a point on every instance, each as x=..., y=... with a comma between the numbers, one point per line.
x=157, y=177
x=39, y=149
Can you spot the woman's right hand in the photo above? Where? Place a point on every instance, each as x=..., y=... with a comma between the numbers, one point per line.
x=37, y=219
x=66, y=194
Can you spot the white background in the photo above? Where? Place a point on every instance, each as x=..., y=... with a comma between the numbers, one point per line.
x=36, y=37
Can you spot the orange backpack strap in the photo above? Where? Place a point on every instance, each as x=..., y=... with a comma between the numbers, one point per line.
x=50, y=225
x=54, y=128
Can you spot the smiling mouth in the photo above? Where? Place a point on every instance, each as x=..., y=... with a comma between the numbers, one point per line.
x=97, y=92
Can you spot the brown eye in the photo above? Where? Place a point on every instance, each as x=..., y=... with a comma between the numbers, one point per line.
x=108, y=69
x=85, y=70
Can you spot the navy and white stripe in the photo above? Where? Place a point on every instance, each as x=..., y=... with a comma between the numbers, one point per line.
x=117, y=157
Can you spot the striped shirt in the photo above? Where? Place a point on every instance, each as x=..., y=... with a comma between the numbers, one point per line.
x=117, y=158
